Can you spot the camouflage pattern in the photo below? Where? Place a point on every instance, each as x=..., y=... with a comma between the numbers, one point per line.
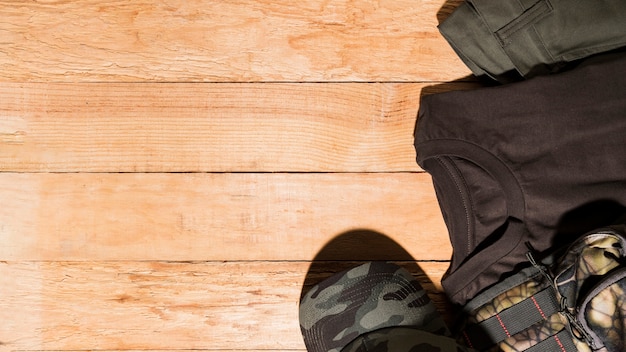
x=400, y=339
x=529, y=337
x=597, y=317
x=364, y=300
x=606, y=316
x=603, y=313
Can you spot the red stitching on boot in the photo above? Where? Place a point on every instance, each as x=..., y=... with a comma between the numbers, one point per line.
x=559, y=342
x=502, y=325
x=539, y=308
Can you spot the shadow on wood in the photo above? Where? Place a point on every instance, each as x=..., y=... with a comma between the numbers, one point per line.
x=356, y=247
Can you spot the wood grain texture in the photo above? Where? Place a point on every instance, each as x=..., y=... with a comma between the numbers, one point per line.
x=243, y=216
x=160, y=305
x=173, y=173
x=225, y=41
x=145, y=127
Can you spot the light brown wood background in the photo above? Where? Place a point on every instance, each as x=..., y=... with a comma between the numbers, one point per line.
x=174, y=172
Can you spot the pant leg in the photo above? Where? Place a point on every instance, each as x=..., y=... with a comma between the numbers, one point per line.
x=512, y=39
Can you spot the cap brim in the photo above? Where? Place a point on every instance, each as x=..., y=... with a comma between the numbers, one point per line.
x=403, y=339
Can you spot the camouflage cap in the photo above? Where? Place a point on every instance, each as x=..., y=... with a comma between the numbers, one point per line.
x=361, y=309
x=403, y=339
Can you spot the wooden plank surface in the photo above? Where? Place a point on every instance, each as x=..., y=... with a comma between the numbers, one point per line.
x=243, y=216
x=207, y=127
x=358, y=127
x=225, y=41
x=160, y=305
x=174, y=173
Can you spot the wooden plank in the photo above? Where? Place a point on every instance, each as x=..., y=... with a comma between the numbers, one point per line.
x=109, y=306
x=226, y=41
x=239, y=216
x=209, y=127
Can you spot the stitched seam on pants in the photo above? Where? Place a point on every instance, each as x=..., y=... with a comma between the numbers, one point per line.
x=530, y=16
x=579, y=53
